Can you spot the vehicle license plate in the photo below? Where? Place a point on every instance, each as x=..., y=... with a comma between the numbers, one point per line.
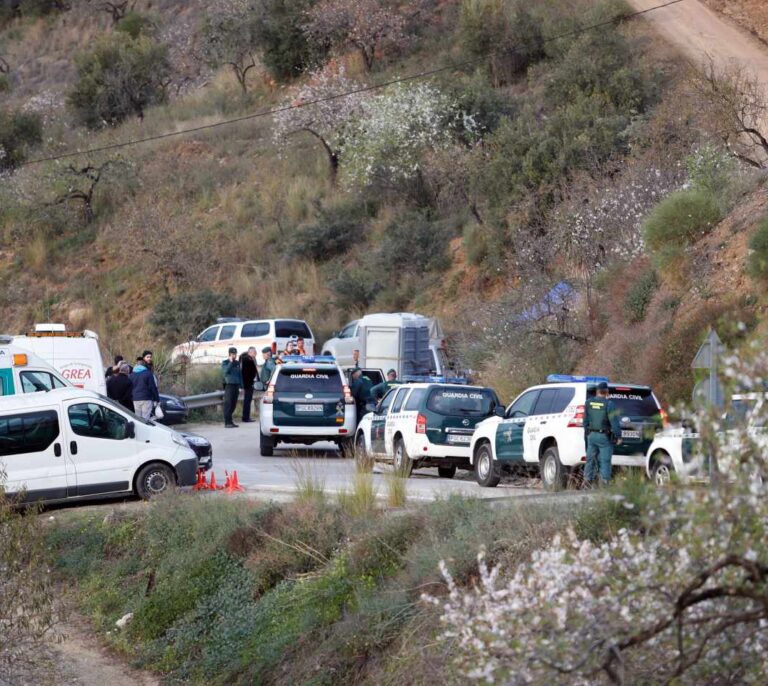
x=459, y=438
x=309, y=408
x=630, y=434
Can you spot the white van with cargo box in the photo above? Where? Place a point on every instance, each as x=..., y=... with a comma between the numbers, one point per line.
x=71, y=443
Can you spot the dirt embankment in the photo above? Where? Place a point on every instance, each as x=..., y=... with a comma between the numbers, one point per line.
x=751, y=15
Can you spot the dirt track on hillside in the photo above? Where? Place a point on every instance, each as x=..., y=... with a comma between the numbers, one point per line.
x=697, y=32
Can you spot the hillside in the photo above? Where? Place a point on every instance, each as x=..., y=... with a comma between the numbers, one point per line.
x=469, y=195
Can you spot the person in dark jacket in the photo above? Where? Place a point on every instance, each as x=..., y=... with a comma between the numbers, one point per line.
x=602, y=430
x=233, y=382
x=120, y=387
x=248, y=370
x=145, y=393
x=115, y=368
x=361, y=392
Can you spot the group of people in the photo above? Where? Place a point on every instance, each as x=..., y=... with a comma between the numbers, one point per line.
x=362, y=388
x=134, y=387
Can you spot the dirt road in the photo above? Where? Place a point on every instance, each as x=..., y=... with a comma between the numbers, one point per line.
x=697, y=31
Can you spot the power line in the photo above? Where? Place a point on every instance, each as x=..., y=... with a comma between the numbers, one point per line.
x=344, y=94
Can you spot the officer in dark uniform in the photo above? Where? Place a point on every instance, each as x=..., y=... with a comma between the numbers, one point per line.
x=381, y=389
x=233, y=382
x=361, y=391
x=268, y=366
x=602, y=430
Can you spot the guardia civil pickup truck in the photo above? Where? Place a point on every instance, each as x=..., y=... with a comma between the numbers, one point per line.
x=425, y=424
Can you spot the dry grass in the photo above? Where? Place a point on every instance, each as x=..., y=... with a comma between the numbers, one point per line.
x=310, y=486
x=397, y=489
x=360, y=499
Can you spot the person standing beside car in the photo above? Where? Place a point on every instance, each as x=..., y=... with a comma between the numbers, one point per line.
x=248, y=370
x=120, y=387
x=380, y=390
x=233, y=382
x=361, y=391
x=602, y=430
x=268, y=367
x=145, y=393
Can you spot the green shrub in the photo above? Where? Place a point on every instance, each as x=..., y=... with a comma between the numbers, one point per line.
x=680, y=219
x=19, y=131
x=183, y=316
x=355, y=289
x=333, y=233
x=639, y=295
x=135, y=25
x=758, y=257
x=414, y=243
x=120, y=77
x=5, y=83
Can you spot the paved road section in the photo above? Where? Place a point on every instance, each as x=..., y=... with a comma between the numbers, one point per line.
x=277, y=476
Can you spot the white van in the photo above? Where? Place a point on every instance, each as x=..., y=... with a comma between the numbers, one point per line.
x=24, y=372
x=71, y=443
x=212, y=345
x=74, y=354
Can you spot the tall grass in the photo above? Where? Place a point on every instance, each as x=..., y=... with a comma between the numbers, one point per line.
x=397, y=489
x=360, y=499
x=310, y=486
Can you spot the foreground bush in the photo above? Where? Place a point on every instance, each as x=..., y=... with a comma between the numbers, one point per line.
x=681, y=218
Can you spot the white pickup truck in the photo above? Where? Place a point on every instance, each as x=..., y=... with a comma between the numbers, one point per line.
x=675, y=451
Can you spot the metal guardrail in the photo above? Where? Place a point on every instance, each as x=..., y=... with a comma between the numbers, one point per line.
x=194, y=402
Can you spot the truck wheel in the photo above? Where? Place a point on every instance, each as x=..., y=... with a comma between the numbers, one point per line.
x=154, y=479
x=266, y=445
x=487, y=471
x=553, y=474
x=403, y=463
x=447, y=472
x=662, y=470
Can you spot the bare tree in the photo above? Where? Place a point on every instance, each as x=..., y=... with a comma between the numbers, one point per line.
x=117, y=9
x=738, y=104
x=81, y=183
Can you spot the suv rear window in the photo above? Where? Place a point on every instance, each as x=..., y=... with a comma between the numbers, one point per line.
x=633, y=402
x=285, y=328
x=461, y=401
x=308, y=381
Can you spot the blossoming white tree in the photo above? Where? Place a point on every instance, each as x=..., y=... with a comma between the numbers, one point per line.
x=683, y=600
x=326, y=113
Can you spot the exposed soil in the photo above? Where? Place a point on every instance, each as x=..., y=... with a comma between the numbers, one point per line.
x=751, y=15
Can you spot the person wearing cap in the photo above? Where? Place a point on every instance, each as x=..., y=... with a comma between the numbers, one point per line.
x=120, y=387
x=380, y=390
x=145, y=393
x=267, y=367
x=249, y=372
x=233, y=382
x=601, y=431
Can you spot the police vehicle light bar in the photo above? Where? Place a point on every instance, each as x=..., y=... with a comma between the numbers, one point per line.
x=571, y=378
x=410, y=378
x=309, y=359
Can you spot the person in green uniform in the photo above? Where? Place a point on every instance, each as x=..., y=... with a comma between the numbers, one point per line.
x=361, y=391
x=233, y=382
x=380, y=390
x=267, y=367
x=601, y=431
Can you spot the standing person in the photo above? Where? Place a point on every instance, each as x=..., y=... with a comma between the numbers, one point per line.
x=248, y=370
x=602, y=431
x=356, y=359
x=380, y=390
x=145, y=393
x=115, y=368
x=361, y=391
x=120, y=387
x=233, y=382
x=300, y=349
x=268, y=367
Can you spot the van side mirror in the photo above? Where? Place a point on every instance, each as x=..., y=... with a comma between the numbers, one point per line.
x=130, y=430
x=499, y=410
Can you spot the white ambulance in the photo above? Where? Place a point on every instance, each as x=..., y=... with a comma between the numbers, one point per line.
x=74, y=354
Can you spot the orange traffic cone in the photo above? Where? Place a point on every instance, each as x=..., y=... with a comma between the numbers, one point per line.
x=227, y=481
x=201, y=485
x=234, y=484
x=212, y=485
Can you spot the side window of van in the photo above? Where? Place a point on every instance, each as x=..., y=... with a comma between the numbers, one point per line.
x=208, y=335
x=227, y=332
x=31, y=432
x=32, y=382
x=97, y=421
x=255, y=330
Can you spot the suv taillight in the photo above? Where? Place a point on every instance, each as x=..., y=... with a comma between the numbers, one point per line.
x=348, y=399
x=421, y=424
x=269, y=396
x=577, y=421
x=664, y=417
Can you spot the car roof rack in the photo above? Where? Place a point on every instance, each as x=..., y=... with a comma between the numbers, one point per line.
x=309, y=359
x=575, y=378
x=414, y=378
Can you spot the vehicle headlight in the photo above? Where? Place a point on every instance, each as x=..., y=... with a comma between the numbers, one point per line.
x=174, y=403
x=197, y=440
x=178, y=439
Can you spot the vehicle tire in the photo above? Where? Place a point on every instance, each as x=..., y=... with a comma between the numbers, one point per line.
x=402, y=462
x=487, y=472
x=154, y=479
x=266, y=445
x=447, y=472
x=553, y=475
x=347, y=447
x=662, y=470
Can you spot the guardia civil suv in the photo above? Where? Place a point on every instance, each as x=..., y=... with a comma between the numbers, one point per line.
x=425, y=425
x=307, y=400
x=543, y=430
